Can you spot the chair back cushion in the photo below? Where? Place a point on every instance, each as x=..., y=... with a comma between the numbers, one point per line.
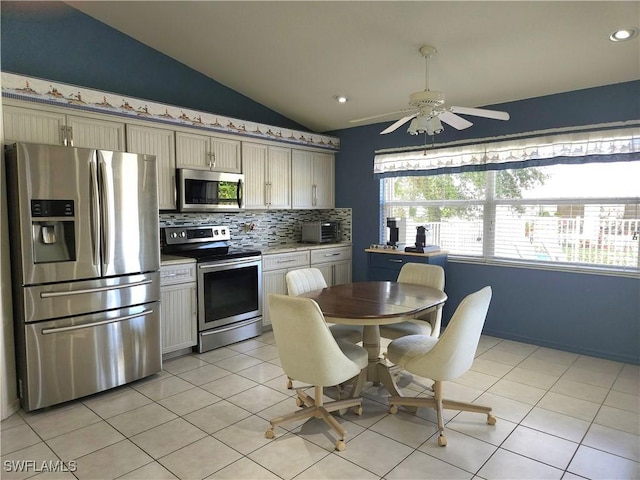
x=422, y=274
x=308, y=351
x=429, y=276
x=304, y=280
x=453, y=354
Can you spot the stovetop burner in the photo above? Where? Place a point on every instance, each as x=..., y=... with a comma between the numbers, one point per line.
x=205, y=243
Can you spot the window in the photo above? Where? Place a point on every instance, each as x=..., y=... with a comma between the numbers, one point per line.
x=578, y=215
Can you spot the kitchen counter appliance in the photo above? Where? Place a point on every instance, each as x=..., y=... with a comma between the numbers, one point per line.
x=85, y=269
x=320, y=232
x=229, y=282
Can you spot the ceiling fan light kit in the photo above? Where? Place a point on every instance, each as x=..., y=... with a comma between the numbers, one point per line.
x=423, y=124
x=430, y=111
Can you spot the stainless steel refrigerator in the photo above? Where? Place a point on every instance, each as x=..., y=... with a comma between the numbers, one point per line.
x=85, y=267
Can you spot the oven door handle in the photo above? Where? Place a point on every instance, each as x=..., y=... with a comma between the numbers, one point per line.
x=47, y=331
x=225, y=264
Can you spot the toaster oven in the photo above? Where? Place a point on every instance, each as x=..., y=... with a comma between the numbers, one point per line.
x=320, y=232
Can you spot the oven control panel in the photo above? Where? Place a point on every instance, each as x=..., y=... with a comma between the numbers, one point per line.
x=185, y=235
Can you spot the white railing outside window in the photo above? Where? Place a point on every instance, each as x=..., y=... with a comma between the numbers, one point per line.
x=572, y=216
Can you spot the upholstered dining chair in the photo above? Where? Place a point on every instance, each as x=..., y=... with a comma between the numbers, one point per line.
x=443, y=359
x=309, y=354
x=426, y=324
x=306, y=279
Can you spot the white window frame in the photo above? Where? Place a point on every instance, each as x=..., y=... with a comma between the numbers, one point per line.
x=489, y=205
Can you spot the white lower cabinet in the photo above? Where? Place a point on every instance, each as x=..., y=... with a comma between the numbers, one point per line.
x=334, y=263
x=274, y=269
x=179, y=310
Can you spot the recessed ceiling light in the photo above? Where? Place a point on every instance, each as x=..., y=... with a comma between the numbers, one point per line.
x=623, y=34
x=341, y=99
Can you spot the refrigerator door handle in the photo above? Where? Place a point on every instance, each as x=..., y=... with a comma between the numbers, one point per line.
x=107, y=245
x=83, y=291
x=95, y=213
x=48, y=331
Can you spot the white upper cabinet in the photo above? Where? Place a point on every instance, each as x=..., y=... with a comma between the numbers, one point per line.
x=267, y=176
x=202, y=152
x=53, y=128
x=159, y=142
x=312, y=180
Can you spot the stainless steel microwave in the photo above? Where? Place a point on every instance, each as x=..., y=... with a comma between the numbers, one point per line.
x=203, y=191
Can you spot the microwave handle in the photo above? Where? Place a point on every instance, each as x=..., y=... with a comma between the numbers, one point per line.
x=240, y=194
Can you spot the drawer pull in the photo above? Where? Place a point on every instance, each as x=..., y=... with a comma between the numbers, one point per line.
x=395, y=261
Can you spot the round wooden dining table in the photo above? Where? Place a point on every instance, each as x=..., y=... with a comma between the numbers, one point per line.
x=372, y=304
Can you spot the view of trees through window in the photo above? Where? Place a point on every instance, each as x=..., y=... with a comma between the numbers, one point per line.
x=582, y=214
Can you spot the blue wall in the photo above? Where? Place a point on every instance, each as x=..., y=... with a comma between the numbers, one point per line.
x=592, y=314
x=54, y=41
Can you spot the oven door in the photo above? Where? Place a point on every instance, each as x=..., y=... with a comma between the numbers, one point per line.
x=229, y=291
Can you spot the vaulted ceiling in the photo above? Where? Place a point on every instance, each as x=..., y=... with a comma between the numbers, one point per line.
x=296, y=56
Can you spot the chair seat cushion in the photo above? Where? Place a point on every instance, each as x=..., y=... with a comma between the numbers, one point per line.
x=402, y=329
x=347, y=333
x=355, y=353
x=402, y=350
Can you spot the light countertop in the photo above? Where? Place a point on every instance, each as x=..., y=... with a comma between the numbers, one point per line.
x=174, y=260
x=296, y=247
x=284, y=248
x=402, y=252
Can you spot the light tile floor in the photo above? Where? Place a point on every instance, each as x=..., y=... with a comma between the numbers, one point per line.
x=560, y=415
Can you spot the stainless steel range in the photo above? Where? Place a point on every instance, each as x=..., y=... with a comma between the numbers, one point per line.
x=229, y=283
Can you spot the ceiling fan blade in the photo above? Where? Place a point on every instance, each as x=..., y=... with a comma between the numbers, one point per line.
x=481, y=112
x=454, y=120
x=364, y=119
x=398, y=124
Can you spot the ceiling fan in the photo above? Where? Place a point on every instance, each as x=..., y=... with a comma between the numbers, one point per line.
x=429, y=110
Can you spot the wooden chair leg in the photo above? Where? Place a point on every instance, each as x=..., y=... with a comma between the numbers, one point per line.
x=440, y=405
x=315, y=407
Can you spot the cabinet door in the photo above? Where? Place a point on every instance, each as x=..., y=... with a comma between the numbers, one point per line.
x=323, y=172
x=272, y=282
x=254, y=160
x=93, y=133
x=341, y=273
x=327, y=272
x=179, y=317
x=301, y=179
x=279, y=177
x=161, y=143
x=335, y=273
x=225, y=155
x=192, y=151
x=33, y=126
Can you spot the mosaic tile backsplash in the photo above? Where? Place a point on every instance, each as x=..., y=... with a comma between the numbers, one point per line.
x=270, y=228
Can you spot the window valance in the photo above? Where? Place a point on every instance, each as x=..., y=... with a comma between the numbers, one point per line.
x=618, y=144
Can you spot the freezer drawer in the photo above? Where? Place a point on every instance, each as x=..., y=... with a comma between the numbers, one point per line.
x=69, y=358
x=44, y=302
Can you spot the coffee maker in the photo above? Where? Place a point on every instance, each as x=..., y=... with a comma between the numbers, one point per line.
x=397, y=231
x=423, y=241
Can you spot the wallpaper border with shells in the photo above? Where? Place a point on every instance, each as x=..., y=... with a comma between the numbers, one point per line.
x=38, y=90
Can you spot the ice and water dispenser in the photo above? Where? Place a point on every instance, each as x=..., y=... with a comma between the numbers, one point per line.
x=53, y=231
